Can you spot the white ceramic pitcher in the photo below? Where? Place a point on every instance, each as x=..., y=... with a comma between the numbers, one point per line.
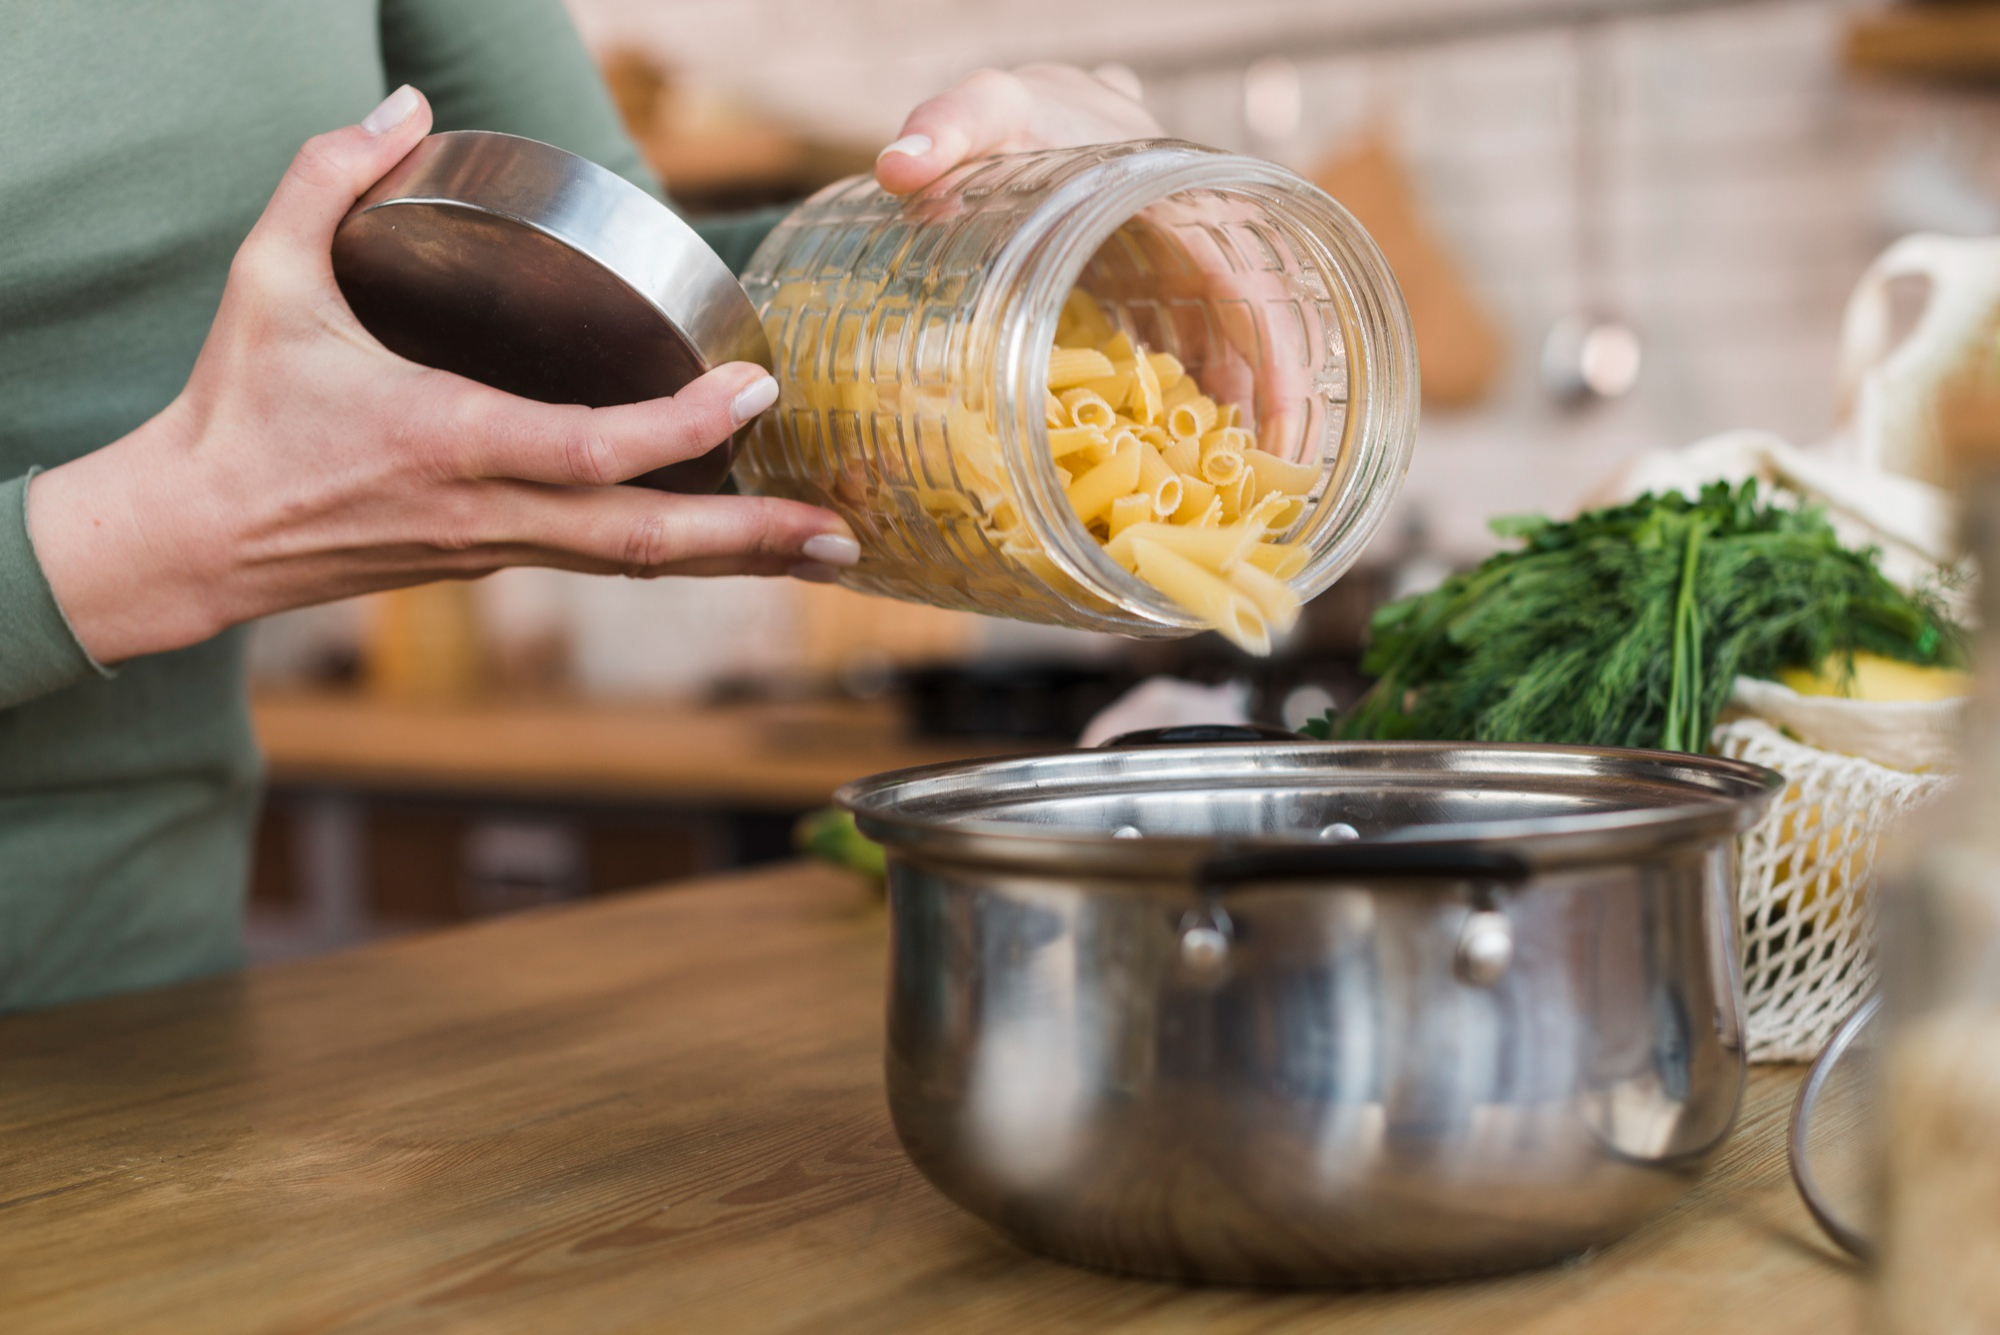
x=1894, y=390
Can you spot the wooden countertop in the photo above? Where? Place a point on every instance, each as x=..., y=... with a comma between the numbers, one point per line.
x=783, y=756
x=657, y=1112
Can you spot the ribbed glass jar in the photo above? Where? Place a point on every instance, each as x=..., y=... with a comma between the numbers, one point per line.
x=911, y=338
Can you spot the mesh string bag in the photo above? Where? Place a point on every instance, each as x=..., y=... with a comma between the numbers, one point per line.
x=1804, y=883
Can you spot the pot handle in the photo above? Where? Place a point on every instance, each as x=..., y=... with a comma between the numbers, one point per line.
x=1201, y=734
x=1485, y=948
x=1438, y=862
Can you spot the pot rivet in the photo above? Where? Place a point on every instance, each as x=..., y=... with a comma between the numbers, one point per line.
x=1485, y=948
x=1128, y=832
x=1204, y=950
x=1338, y=833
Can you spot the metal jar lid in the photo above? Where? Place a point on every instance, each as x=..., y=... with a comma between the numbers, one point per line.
x=538, y=272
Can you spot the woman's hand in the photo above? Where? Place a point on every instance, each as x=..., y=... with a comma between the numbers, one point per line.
x=305, y=462
x=998, y=111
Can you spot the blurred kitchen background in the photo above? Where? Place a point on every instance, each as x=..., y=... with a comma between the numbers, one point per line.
x=1622, y=225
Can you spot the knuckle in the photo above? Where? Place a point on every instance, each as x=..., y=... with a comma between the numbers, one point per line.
x=990, y=80
x=319, y=160
x=589, y=457
x=765, y=530
x=443, y=430
x=457, y=523
x=650, y=544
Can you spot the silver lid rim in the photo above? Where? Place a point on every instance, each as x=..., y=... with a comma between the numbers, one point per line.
x=636, y=239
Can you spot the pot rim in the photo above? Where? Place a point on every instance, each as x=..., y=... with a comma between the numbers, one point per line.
x=919, y=813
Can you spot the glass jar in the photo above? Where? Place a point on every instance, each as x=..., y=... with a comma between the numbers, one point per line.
x=911, y=338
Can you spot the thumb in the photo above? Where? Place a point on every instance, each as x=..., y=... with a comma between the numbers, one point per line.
x=334, y=169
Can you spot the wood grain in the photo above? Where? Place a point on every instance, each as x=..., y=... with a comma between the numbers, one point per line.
x=660, y=1112
x=1951, y=43
x=757, y=755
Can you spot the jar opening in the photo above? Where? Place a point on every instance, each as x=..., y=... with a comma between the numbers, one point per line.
x=1271, y=297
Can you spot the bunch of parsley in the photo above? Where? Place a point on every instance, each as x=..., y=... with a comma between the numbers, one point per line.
x=1628, y=626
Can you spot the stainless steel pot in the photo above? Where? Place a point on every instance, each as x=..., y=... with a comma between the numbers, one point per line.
x=1314, y=1013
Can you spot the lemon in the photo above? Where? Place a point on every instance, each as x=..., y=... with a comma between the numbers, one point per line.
x=1878, y=679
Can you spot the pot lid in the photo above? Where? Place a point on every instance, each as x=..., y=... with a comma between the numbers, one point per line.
x=1474, y=810
x=538, y=272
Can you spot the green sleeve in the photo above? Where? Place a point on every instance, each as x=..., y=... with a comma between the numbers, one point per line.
x=38, y=651
x=518, y=66
x=736, y=236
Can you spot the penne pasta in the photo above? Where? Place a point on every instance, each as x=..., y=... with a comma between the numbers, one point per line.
x=1120, y=439
x=1070, y=367
x=1144, y=399
x=1283, y=559
x=1160, y=484
x=1218, y=549
x=1237, y=497
x=1088, y=409
x=943, y=502
x=1159, y=472
x=1287, y=512
x=1195, y=496
x=1275, y=474
x=1083, y=320
x=1221, y=456
x=1093, y=492
x=1129, y=510
x=1068, y=440
x=1184, y=457
x=1274, y=598
x=1114, y=388
x=1193, y=419
x=1216, y=602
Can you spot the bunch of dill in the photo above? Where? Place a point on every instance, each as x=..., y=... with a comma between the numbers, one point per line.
x=1629, y=626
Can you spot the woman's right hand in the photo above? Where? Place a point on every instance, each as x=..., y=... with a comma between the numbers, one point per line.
x=305, y=462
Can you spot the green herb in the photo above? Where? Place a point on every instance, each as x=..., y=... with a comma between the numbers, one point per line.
x=1629, y=626
x=829, y=834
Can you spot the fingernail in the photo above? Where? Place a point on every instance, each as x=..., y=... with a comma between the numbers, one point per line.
x=392, y=111
x=915, y=145
x=752, y=399
x=834, y=549
x=812, y=572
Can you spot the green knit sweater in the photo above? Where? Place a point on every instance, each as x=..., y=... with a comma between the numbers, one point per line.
x=139, y=140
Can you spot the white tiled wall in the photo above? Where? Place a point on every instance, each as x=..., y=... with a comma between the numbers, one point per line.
x=1742, y=197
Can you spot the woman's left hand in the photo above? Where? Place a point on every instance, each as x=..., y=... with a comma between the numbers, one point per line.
x=1003, y=111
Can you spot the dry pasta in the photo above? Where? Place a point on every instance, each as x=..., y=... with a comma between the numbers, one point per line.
x=1167, y=478
x=1193, y=509
x=1070, y=367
